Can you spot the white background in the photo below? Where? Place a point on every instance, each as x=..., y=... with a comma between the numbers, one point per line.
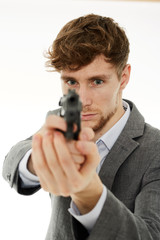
x=27, y=91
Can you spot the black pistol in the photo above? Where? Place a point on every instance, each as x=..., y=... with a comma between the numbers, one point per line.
x=71, y=107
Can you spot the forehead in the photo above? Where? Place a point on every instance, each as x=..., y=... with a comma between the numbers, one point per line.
x=98, y=66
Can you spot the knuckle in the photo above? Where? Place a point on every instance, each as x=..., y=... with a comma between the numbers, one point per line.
x=43, y=186
x=65, y=192
x=54, y=191
x=45, y=189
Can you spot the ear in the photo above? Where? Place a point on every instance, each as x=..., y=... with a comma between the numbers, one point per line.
x=125, y=76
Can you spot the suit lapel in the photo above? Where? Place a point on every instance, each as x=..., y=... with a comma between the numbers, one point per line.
x=115, y=159
x=123, y=147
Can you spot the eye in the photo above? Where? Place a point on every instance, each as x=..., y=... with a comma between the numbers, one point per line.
x=71, y=82
x=98, y=82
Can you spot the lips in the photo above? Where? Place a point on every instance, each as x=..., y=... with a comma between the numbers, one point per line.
x=88, y=116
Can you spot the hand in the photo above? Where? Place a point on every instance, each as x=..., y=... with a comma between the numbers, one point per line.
x=55, y=122
x=67, y=168
x=84, y=186
x=45, y=162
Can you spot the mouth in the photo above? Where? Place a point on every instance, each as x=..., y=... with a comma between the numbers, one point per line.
x=88, y=116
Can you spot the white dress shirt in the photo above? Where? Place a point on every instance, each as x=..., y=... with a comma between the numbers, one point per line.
x=104, y=145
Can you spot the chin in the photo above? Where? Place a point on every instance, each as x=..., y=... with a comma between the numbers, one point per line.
x=88, y=124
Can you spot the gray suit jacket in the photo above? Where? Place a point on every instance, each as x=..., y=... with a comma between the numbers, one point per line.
x=131, y=173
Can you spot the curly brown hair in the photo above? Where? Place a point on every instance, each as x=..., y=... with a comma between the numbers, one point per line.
x=82, y=39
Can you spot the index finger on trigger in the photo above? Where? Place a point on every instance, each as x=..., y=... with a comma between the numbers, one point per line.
x=55, y=122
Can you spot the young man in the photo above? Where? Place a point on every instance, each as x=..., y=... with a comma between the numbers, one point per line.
x=105, y=185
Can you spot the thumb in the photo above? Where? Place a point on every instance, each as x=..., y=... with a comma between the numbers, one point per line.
x=90, y=151
x=86, y=134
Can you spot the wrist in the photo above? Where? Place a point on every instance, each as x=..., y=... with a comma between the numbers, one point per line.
x=87, y=199
x=30, y=166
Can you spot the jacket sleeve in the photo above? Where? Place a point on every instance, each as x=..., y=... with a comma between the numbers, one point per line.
x=117, y=222
x=11, y=163
x=12, y=160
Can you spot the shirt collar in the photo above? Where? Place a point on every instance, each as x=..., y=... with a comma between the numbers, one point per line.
x=110, y=137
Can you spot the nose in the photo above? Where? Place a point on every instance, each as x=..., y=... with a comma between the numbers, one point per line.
x=85, y=96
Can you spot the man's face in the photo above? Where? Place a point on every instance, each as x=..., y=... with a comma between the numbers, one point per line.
x=100, y=91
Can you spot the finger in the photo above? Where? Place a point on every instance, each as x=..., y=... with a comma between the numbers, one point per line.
x=86, y=134
x=65, y=157
x=40, y=165
x=79, y=159
x=52, y=159
x=55, y=122
x=78, y=166
x=88, y=149
x=55, y=166
x=76, y=155
x=37, y=156
x=72, y=147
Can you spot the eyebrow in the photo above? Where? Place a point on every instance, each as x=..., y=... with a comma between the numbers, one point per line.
x=98, y=76
x=66, y=78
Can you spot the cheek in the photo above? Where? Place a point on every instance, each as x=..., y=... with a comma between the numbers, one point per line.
x=107, y=100
x=106, y=97
x=114, y=94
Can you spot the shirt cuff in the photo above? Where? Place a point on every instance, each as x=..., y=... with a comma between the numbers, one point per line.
x=88, y=220
x=28, y=179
